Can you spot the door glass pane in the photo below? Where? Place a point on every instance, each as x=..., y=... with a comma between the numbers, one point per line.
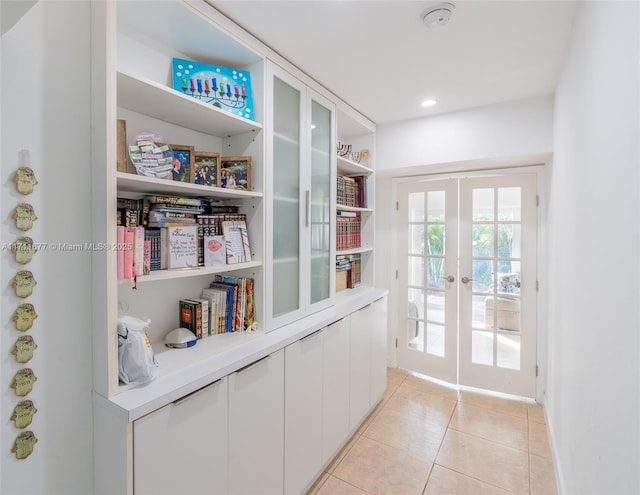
x=435, y=206
x=483, y=234
x=509, y=204
x=415, y=315
x=416, y=304
x=435, y=272
x=508, y=351
x=509, y=241
x=416, y=207
x=435, y=239
x=435, y=306
x=435, y=339
x=482, y=275
x=415, y=335
x=483, y=205
x=506, y=311
x=416, y=239
x=416, y=271
x=286, y=203
x=482, y=347
x=320, y=201
x=479, y=318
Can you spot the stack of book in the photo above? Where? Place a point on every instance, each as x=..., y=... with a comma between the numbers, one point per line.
x=173, y=210
x=348, y=271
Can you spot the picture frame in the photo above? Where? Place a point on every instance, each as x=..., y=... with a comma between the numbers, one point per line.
x=226, y=88
x=235, y=173
x=183, y=168
x=206, y=165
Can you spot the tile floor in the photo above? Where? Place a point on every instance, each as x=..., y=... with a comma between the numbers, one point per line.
x=424, y=439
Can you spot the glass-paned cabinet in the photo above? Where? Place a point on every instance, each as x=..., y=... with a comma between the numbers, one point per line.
x=287, y=114
x=320, y=201
x=301, y=169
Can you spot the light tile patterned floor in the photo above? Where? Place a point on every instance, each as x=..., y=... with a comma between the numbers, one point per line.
x=424, y=439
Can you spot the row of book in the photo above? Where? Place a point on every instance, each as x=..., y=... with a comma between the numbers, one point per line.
x=160, y=232
x=227, y=305
x=348, y=230
x=352, y=191
x=143, y=250
x=156, y=210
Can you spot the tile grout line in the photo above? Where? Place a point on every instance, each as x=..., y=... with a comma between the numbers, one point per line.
x=440, y=446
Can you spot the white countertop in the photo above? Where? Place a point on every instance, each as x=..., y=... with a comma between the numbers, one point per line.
x=183, y=371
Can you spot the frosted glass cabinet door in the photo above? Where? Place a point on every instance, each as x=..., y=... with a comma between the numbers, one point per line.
x=182, y=447
x=287, y=108
x=320, y=201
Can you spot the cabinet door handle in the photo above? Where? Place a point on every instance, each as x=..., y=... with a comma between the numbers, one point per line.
x=364, y=307
x=250, y=365
x=310, y=335
x=307, y=207
x=179, y=401
x=336, y=322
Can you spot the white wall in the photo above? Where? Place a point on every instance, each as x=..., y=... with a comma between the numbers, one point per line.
x=44, y=103
x=508, y=129
x=593, y=386
x=504, y=135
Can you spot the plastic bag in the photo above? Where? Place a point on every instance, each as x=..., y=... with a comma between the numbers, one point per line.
x=136, y=362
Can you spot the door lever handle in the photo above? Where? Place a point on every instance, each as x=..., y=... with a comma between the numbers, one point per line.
x=465, y=280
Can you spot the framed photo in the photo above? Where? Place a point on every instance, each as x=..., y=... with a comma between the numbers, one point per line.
x=205, y=168
x=182, y=163
x=235, y=172
x=223, y=87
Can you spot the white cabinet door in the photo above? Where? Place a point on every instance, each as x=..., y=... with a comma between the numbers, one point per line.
x=256, y=427
x=300, y=149
x=378, y=322
x=182, y=447
x=303, y=413
x=335, y=388
x=359, y=366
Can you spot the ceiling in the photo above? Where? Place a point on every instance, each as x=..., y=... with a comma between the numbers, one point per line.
x=381, y=58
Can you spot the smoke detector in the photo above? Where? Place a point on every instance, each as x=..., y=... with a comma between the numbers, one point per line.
x=438, y=15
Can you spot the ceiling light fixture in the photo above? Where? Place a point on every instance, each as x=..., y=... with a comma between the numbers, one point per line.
x=428, y=103
x=438, y=15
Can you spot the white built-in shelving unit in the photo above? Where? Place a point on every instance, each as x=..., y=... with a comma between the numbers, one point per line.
x=237, y=375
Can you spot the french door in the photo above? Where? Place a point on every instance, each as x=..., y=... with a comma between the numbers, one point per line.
x=468, y=287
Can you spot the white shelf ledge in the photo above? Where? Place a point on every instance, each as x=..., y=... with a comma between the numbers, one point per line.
x=157, y=275
x=161, y=102
x=151, y=185
x=349, y=167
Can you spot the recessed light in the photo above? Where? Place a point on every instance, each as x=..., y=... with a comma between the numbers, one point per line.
x=428, y=103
